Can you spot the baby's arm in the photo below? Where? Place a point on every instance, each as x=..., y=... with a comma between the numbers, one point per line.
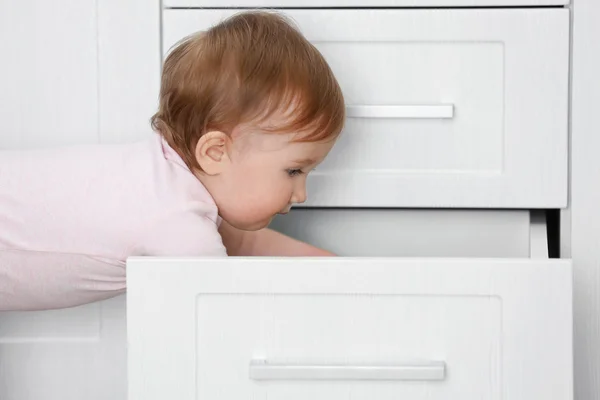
x=39, y=280
x=265, y=242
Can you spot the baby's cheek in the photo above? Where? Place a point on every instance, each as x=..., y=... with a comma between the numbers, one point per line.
x=264, y=192
x=276, y=194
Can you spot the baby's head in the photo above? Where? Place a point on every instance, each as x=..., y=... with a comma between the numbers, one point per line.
x=251, y=107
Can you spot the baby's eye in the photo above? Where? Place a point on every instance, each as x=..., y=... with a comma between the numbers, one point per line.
x=294, y=172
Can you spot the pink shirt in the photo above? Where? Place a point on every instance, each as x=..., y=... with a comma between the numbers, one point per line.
x=70, y=217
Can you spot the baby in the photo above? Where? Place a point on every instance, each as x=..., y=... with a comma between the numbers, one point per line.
x=247, y=109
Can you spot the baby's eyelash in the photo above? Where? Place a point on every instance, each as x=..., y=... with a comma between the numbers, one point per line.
x=294, y=172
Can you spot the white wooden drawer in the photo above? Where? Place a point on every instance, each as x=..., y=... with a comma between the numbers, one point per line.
x=359, y=3
x=276, y=329
x=417, y=233
x=446, y=108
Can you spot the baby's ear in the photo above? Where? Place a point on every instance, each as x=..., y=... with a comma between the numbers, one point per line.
x=212, y=152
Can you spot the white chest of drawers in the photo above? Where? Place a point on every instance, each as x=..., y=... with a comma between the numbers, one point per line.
x=456, y=108
x=480, y=122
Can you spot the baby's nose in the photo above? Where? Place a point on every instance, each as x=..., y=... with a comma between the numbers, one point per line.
x=299, y=195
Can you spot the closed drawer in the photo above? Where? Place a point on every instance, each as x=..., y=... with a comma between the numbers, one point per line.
x=341, y=328
x=446, y=108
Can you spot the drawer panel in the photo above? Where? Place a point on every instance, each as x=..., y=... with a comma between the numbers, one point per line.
x=286, y=330
x=68, y=354
x=446, y=108
x=317, y=328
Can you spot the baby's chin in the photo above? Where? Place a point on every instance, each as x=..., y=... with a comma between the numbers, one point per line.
x=251, y=225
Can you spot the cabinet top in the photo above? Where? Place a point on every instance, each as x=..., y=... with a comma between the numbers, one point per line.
x=357, y=3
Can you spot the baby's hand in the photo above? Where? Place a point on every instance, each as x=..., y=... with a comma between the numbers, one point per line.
x=317, y=252
x=265, y=243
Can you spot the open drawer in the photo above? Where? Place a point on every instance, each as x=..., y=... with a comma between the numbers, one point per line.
x=420, y=233
x=460, y=108
x=349, y=328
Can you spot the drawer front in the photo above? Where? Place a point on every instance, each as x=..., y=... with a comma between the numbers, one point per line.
x=68, y=354
x=359, y=3
x=446, y=108
x=342, y=328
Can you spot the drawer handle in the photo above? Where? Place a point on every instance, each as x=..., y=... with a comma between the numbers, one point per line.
x=261, y=370
x=416, y=111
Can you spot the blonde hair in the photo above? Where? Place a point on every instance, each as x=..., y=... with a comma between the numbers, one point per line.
x=245, y=69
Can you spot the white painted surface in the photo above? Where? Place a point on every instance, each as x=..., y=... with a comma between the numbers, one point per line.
x=78, y=71
x=440, y=111
x=73, y=72
x=359, y=3
x=195, y=325
x=504, y=71
x=48, y=73
x=585, y=211
x=69, y=354
x=129, y=62
x=412, y=233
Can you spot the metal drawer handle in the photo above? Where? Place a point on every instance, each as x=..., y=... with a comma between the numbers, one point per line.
x=441, y=111
x=262, y=370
